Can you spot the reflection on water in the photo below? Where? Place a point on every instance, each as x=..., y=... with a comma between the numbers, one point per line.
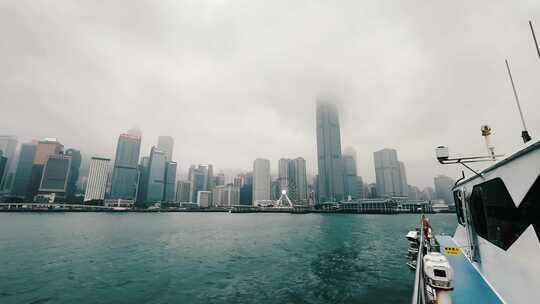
x=206, y=258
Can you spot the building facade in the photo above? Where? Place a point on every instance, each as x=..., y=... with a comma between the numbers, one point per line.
x=23, y=174
x=125, y=172
x=98, y=174
x=55, y=179
x=156, y=176
x=443, y=188
x=390, y=174
x=169, y=193
x=261, y=181
x=182, y=191
x=166, y=144
x=74, y=171
x=353, y=185
x=45, y=148
x=8, y=146
x=330, y=166
x=203, y=199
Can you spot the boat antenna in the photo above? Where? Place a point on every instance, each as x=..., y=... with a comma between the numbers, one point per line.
x=524, y=134
x=534, y=38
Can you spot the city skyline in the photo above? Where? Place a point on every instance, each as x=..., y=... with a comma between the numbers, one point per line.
x=245, y=86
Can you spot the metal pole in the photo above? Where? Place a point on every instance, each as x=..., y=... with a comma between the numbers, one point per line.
x=534, y=38
x=524, y=134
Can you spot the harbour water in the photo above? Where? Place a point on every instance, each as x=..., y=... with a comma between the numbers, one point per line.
x=206, y=257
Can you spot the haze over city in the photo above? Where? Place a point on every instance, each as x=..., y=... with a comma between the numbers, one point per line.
x=233, y=81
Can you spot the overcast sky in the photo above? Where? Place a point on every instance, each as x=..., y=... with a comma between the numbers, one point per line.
x=235, y=80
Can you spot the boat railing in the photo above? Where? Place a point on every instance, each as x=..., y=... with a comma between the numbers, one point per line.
x=419, y=293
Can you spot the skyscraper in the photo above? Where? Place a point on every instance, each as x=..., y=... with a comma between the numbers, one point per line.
x=182, y=191
x=125, y=174
x=8, y=144
x=23, y=174
x=390, y=174
x=55, y=177
x=76, y=160
x=329, y=153
x=169, y=194
x=156, y=176
x=97, y=179
x=166, y=144
x=226, y=195
x=143, y=181
x=245, y=182
x=352, y=181
x=197, y=180
x=3, y=165
x=203, y=199
x=202, y=179
x=46, y=147
x=443, y=188
x=261, y=180
x=292, y=178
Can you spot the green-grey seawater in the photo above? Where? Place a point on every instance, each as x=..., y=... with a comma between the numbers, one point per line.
x=206, y=257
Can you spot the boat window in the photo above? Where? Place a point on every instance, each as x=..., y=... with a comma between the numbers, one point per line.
x=458, y=200
x=496, y=217
x=439, y=273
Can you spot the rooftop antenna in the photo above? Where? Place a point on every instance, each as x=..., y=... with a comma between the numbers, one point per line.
x=524, y=134
x=534, y=38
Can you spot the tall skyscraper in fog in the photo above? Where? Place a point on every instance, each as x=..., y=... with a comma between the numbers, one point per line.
x=390, y=174
x=261, y=180
x=166, y=144
x=125, y=174
x=8, y=145
x=330, y=164
x=97, y=179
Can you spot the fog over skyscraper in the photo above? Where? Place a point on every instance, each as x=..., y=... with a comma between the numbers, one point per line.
x=443, y=188
x=330, y=163
x=166, y=144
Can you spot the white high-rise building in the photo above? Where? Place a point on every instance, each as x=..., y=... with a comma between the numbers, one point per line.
x=261, y=180
x=97, y=179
